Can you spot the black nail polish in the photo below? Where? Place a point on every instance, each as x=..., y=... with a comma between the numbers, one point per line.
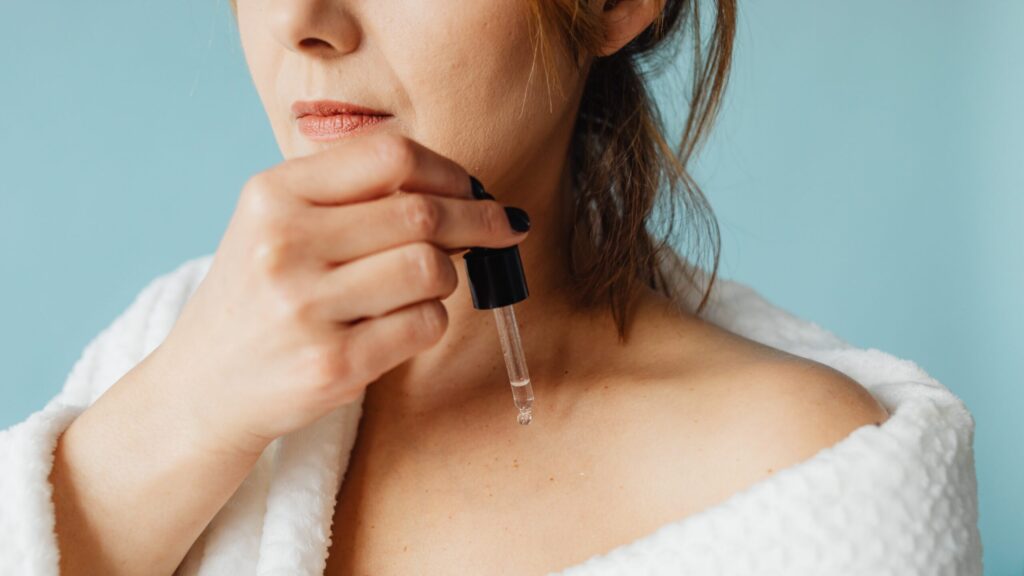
x=517, y=218
x=478, y=190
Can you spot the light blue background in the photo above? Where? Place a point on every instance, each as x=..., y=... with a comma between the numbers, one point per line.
x=866, y=173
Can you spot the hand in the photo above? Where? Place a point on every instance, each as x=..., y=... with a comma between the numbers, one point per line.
x=330, y=273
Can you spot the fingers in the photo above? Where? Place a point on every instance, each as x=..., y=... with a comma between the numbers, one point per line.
x=379, y=344
x=348, y=232
x=384, y=282
x=371, y=166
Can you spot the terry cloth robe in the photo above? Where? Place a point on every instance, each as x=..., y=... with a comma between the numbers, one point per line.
x=896, y=499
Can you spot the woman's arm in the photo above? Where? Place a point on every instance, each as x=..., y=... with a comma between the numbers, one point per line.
x=136, y=481
x=27, y=518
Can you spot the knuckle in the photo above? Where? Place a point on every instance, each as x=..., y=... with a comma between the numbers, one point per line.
x=273, y=249
x=292, y=305
x=431, y=320
x=258, y=196
x=301, y=308
x=444, y=280
x=396, y=152
x=441, y=277
x=494, y=222
x=275, y=230
x=425, y=264
x=331, y=368
x=422, y=215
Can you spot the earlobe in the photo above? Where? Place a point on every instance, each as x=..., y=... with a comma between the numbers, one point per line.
x=625, y=20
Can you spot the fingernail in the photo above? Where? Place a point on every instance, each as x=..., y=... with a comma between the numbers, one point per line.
x=478, y=189
x=517, y=218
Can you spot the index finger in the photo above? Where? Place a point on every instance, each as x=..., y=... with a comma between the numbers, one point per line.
x=371, y=166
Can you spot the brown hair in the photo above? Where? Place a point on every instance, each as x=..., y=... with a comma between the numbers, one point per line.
x=620, y=156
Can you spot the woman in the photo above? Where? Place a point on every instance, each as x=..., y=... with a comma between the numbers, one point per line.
x=199, y=430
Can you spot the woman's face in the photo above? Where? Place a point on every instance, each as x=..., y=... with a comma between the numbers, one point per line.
x=455, y=75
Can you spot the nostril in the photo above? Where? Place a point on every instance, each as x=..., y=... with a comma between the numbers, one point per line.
x=313, y=43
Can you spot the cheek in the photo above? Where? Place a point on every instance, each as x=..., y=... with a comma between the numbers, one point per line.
x=466, y=85
x=264, y=58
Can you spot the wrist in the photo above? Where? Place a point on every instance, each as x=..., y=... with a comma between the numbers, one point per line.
x=200, y=422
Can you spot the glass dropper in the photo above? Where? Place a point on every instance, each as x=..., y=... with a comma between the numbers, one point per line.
x=515, y=362
x=496, y=282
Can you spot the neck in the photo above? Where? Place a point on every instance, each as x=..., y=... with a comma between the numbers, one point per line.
x=467, y=364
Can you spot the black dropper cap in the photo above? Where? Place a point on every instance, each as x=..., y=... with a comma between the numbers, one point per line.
x=496, y=275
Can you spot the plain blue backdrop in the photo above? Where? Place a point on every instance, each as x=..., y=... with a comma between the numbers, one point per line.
x=866, y=172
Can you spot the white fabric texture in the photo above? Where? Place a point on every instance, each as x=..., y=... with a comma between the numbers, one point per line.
x=900, y=498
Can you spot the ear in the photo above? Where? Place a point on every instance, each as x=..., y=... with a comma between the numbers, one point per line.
x=625, y=20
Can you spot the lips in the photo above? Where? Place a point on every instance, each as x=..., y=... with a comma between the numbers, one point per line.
x=330, y=108
x=330, y=119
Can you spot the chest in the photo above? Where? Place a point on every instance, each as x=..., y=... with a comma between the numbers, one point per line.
x=435, y=532
x=436, y=506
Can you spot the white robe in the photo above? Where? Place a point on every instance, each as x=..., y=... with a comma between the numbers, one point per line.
x=897, y=499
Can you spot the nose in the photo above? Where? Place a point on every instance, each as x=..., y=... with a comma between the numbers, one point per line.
x=316, y=27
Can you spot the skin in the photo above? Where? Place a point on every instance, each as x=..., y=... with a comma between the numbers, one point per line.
x=678, y=418
x=585, y=379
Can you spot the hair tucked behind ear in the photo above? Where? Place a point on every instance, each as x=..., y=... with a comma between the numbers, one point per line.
x=619, y=153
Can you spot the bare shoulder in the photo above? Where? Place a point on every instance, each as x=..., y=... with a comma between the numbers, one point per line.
x=694, y=413
x=739, y=396
x=784, y=406
x=794, y=406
